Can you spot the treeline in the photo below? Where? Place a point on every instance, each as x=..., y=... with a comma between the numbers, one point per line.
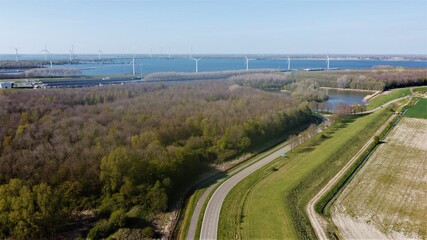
x=381, y=78
x=123, y=150
x=262, y=80
x=43, y=72
x=47, y=72
x=183, y=76
x=26, y=64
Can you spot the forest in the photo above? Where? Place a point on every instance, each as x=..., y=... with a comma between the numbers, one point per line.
x=185, y=76
x=124, y=152
x=379, y=78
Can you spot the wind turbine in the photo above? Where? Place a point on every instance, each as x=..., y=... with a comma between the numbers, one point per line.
x=71, y=53
x=289, y=63
x=99, y=55
x=151, y=53
x=141, y=70
x=327, y=62
x=191, y=52
x=133, y=63
x=197, y=64
x=45, y=51
x=247, y=62
x=46, y=54
x=16, y=54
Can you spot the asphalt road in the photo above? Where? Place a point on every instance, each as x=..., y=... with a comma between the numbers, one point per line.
x=209, y=228
x=198, y=209
x=211, y=217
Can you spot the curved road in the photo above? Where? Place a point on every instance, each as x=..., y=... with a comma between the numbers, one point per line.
x=198, y=209
x=209, y=228
x=211, y=217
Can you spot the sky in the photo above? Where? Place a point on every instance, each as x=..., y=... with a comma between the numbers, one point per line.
x=215, y=26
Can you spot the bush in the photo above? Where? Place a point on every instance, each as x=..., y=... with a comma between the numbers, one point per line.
x=101, y=230
x=107, y=207
x=118, y=219
x=148, y=232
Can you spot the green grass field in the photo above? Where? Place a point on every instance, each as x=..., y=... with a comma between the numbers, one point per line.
x=419, y=110
x=271, y=202
x=387, y=96
x=420, y=89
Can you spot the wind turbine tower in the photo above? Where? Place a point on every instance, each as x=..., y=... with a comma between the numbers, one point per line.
x=197, y=64
x=133, y=65
x=247, y=62
x=327, y=62
x=99, y=55
x=289, y=63
x=45, y=51
x=141, y=70
x=16, y=54
x=72, y=53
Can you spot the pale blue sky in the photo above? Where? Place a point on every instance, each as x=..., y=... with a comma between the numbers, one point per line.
x=220, y=26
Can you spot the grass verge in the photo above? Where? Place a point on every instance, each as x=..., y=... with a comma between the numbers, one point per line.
x=419, y=110
x=271, y=202
x=188, y=212
x=323, y=205
x=420, y=90
x=387, y=96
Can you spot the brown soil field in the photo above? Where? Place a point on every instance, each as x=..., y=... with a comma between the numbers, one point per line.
x=387, y=198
